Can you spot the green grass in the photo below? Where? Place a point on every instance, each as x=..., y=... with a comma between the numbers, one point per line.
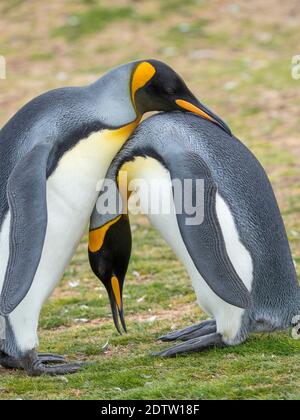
x=179, y=6
x=11, y=4
x=41, y=56
x=92, y=20
x=183, y=33
x=267, y=366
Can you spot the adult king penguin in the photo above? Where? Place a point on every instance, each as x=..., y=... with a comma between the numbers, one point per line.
x=238, y=258
x=53, y=152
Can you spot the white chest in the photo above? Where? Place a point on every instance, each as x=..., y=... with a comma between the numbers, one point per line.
x=73, y=185
x=71, y=195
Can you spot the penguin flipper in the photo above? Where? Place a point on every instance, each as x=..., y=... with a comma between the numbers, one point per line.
x=26, y=193
x=204, y=241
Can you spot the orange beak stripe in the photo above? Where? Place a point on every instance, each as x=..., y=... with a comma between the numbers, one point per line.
x=117, y=292
x=192, y=108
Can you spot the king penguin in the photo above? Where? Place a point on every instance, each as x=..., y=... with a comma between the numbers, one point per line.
x=53, y=153
x=237, y=254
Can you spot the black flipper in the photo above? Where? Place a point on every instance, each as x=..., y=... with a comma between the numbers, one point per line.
x=26, y=193
x=205, y=242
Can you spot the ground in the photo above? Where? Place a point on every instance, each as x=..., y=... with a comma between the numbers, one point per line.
x=236, y=56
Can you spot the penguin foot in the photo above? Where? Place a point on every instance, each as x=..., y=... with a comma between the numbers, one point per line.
x=49, y=358
x=8, y=362
x=36, y=365
x=194, y=345
x=11, y=363
x=195, y=331
x=40, y=369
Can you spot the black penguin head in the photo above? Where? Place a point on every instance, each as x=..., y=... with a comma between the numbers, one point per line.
x=112, y=277
x=109, y=254
x=157, y=87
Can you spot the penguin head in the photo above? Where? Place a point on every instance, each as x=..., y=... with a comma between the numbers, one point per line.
x=157, y=87
x=109, y=261
x=111, y=272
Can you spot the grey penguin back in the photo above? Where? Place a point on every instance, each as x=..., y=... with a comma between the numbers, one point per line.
x=243, y=184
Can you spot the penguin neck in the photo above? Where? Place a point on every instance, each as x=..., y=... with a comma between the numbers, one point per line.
x=110, y=142
x=80, y=172
x=111, y=96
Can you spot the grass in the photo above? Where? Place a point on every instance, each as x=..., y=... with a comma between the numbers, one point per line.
x=10, y=4
x=92, y=20
x=77, y=323
x=177, y=6
x=239, y=63
x=182, y=34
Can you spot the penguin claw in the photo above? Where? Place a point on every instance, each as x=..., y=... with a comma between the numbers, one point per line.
x=48, y=358
x=42, y=364
x=40, y=369
x=8, y=362
x=197, y=330
x=199, y=344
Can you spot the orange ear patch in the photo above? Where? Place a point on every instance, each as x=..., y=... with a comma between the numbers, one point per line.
x=97, y=236
x=142, y=75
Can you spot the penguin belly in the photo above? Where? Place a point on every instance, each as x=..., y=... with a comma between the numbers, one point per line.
x=72, y=191
x=229, y=318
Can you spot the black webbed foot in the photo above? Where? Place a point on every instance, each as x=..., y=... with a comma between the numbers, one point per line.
x=41, y=364
x=198, y=344
x=8, y=362
x=48, y=358
x=195, y=331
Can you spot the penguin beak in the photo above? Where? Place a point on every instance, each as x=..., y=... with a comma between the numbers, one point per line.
x=116, y=302
x=199, y=109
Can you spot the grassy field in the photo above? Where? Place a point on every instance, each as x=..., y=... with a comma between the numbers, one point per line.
x=236, y=56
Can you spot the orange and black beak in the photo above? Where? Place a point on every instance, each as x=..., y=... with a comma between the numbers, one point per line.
x=114, y=290
x=157, y=87
x=198, y=108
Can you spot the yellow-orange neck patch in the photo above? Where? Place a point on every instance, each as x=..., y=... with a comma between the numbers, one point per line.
x=122, y=134
x=97, y=236
x=142, y=75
